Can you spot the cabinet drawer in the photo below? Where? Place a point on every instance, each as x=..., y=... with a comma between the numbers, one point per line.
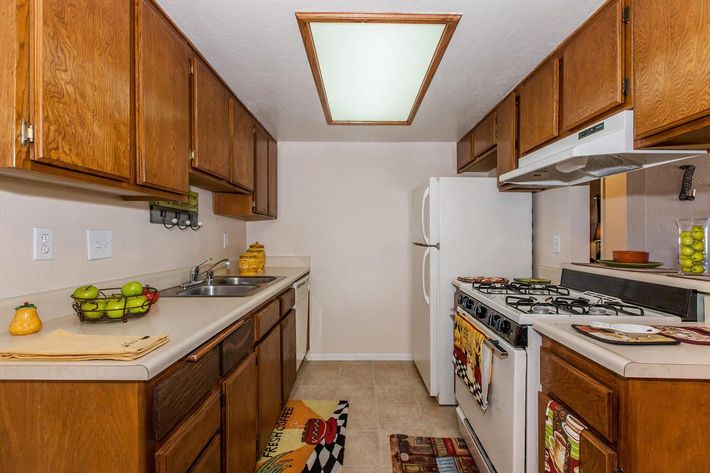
x=593, y=401
x=288, y=301
x=211, y=460
x=236, y=346
x=181, y=389
x=183, y=447
x=266, y=318
x=595, y=455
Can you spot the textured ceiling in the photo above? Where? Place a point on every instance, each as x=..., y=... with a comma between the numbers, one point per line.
x=256, y=47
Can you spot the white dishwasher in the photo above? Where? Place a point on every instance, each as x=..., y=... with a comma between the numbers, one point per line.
x=303, y=292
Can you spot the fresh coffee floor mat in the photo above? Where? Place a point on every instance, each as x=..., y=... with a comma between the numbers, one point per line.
x=430, y=455
x=309, y=437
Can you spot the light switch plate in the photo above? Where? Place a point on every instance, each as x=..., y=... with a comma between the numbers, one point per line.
x=99, y=244
x=225, y=241
x=556, y=244
x=43, y=244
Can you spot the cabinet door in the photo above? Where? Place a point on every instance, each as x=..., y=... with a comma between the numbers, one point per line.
x=539, y=104
x=507, y=135
x=593, y=67
x=83, y=57
x=273, y=178
x=288, y=353
x=211, y=459
x=485, y=135
x=261, y=172
x=464, y=152
x=268, y=354
x=595, y=455
x=242, y=145
x=210, y=122
x=163, y=112
x=240, y=417
x=671, y=62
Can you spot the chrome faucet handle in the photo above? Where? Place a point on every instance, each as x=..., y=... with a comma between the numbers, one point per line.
x=195, y=271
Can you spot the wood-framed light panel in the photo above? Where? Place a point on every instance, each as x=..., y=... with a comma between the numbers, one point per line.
x=304, y=19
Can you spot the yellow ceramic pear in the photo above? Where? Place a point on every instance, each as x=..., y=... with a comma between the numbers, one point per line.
x=26, y=320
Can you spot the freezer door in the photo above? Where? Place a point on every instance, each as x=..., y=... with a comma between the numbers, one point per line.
x=422, y=219
x=424, y=328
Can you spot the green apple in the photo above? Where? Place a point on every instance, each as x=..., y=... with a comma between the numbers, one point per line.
x=86, y=292
x=698, y=268
x=687, y=250
x=698, y=235
x=686, y=240
x=137, y=305
x=697, y=256
x=686, y=270
x=686, y=262
x=697, y=228
x=685, y=233
x=114, y=308
x=698, y=246
x=133, y=288
x=94, y=309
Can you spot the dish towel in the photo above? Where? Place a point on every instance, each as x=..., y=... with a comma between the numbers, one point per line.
x=61, y=345
x=473, y=359
x=562, y=434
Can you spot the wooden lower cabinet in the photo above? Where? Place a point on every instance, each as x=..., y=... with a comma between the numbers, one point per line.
x=634, y=425
x=240, y=394
x=268, y=354
x=211, y=459
x=288, y=353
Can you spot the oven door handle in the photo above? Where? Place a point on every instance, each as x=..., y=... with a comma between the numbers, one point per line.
x=495, y=346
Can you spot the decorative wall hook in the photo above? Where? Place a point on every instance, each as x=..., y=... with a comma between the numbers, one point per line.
x=182, y=215
x=686, y=189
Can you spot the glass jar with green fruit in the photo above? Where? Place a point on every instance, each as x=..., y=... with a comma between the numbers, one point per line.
x=692, y=245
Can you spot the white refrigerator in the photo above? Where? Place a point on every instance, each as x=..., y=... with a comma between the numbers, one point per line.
x=460, y=226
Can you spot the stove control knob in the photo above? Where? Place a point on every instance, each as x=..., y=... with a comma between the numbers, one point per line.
x=493, y=321
x=479, y=311
x=504, y=327
x=467, y=303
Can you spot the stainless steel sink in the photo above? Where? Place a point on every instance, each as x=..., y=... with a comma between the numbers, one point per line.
x=224, y=286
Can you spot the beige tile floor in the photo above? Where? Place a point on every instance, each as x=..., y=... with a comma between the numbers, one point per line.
x=386, y=397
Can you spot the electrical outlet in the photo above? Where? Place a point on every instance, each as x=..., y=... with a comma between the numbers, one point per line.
x=99, y=244
x=225, y=241
x=43, y=244
x=556, y=244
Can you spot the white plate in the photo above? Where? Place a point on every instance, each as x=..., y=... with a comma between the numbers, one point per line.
x=626, y=328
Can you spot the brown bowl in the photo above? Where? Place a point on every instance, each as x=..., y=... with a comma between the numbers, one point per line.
x=630, y=256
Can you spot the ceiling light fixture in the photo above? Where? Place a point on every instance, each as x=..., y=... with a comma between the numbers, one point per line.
x=374, y=68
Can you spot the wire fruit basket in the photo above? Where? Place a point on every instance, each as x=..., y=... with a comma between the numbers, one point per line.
x=112, y=306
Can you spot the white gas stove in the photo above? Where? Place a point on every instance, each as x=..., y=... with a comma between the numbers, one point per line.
x=503, y=439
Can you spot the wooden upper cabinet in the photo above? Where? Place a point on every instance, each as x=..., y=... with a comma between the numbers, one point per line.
x=671, y=61
x=593, y=67
x=464, y=152
x=273, y=179
x=210, y=122
x=485, y=135
x=539, y=105
x=163, y=111
x=242, y=149
x=83, y=78
x=261, y=172
x=506, y=150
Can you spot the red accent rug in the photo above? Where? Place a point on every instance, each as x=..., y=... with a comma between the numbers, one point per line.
x=430, y=455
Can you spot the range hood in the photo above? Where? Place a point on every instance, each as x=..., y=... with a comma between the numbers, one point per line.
x=601, y=150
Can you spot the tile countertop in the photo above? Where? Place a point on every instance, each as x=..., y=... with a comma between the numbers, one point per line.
x=682, y=361
x=188, y=321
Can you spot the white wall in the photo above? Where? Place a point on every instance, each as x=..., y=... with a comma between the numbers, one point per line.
x=563, y=212
x=347, y=206
x=139, y=247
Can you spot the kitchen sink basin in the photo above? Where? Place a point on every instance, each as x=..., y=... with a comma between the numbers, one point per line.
x=224, y=286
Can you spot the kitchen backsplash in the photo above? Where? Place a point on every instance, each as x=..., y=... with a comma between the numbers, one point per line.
x=139, y=247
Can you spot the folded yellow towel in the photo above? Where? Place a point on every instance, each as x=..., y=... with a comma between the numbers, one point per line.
x=61, y=345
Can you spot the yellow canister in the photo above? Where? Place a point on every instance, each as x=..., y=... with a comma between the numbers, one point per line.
x=258, y=249
x=248, y=264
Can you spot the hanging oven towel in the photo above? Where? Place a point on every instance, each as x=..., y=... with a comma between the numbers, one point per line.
x=61, y=345
x=562, y=433
x=473, y=359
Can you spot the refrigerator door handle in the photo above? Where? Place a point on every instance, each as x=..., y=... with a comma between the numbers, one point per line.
x=416, y=243
x=424, y=198
x=426, y=296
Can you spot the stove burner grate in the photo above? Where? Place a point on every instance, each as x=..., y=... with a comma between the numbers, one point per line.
x=530, y=305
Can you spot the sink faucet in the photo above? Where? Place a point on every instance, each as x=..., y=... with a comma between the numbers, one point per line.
x=210, y=271
x=195, y=272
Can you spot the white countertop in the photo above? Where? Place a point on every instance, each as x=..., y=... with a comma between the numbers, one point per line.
x=188, y=321
x=683, y=361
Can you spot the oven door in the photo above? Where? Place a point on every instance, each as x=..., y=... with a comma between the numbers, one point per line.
x=498, y=434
